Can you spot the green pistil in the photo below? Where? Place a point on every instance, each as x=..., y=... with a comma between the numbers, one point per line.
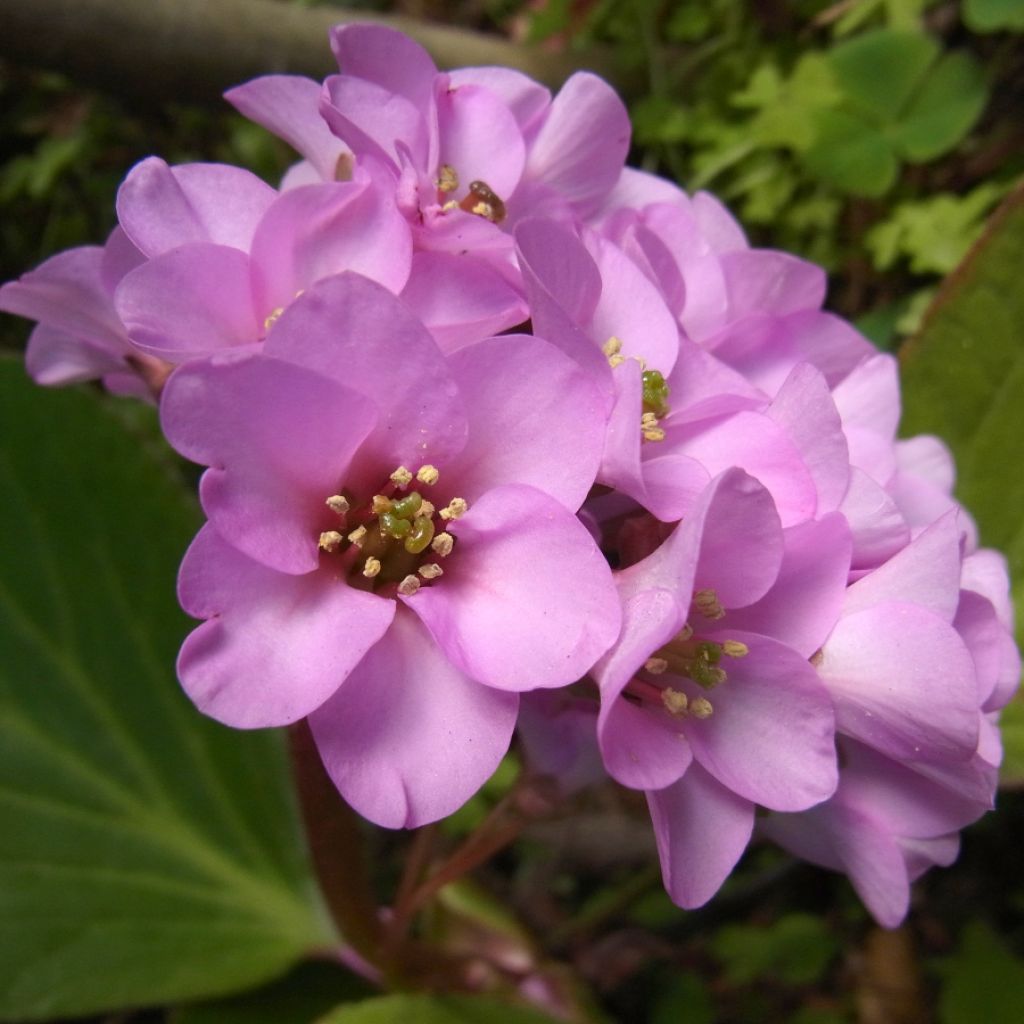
x=407, y=507
x=421, y=535
x=655, y=393
x=394, y=526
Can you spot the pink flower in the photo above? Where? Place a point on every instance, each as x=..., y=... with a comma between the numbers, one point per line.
x=391, y=548
x=708, y=701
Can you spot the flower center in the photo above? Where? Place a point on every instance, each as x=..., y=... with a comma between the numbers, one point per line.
x=655, y=391
x=686, y=656
x=481, y=199
x=391, y=543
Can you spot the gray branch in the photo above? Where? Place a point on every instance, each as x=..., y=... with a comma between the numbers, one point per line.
x=192, y=50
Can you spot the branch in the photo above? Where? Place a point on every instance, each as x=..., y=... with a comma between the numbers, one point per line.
x=192, y=50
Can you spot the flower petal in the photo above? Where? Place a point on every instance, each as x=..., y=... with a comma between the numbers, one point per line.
x=409, y=738
x=702, y=829
x=556, y=448
x=527, y=599
x=275, y=646
x=280, y=439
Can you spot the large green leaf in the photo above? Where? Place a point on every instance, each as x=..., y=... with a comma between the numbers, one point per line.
x=963, y=378
x=147, y=855
x=434, y=1010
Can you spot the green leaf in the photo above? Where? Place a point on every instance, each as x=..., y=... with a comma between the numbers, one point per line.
x=795, y=950
x=963, y=376
x=943, y=111
x=850, y=154
x=303, y=996
x=880, y=70
x=434, y=1010
x=1011, y=725
x=984, y=982
x=147, y=855
x=993, y=15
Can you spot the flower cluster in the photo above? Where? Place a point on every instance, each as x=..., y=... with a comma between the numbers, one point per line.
x=494, y=424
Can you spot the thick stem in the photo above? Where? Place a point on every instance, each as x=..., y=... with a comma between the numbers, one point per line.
x=336, y=846
x=192, y=50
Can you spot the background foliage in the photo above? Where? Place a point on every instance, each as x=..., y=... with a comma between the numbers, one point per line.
x=149, y=858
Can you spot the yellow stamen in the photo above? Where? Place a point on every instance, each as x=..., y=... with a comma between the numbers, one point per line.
x=372, y=567
x=735, y=648
x=357, y=536
x=612, y=347
x=675, y=702
x=455, y=509
x=447, y=179
x=656, y=666
x=401, y=477
x=380, y=504
x=442, y=544
x=427, y=509
x=428, y=475
x=337, y=503
x=273, y=318
x=706, y=602
x=409, y=586
x=330, y=539
x=700, y=707
x=430, y=571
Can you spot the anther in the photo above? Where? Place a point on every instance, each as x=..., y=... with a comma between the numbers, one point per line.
x=430, y=571
x=706, y=602
x=409, y=586
x=656, y=666
x=447, y=179
x=676, y=702
x=685, y=633
x=427, y=509
x=455, y=509
x=330, y=540
x=273, y=318
x=428, y=475
x=337, y=503
x=612, y=347
x=380, y=504
x=735, y=649
x=700, y=707
x=442, y=544
x=401, y=477
x=616, y=360
x=372, y=567
x=357, y=536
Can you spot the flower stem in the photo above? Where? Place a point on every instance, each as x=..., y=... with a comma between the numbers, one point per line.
x=336, y=847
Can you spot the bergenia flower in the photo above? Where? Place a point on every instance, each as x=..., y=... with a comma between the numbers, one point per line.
x=708, y=700
x=392, y=549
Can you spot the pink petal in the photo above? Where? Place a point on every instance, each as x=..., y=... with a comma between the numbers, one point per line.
x=556, y=448
x=869, y=397
x=903, y=682
x=275, y=647
x=527, y=599
x=926, y=572
x=526, y=99
x=879, y=530
x=280, y=439
x=480, y=139
x=702, y=829
x=752, y=442
x=582, y=145
x=717, y=224
x=461, y=299
x=765, y=281
x=54, y=358
x=630, y=309
x=161, y=207
x=289, y=106
x=805, y=410
x=314, y=232
x=119, y=257
x=803, y=604
x=349, y=328
x=928, y=458
x=66, y=293
x=188, y=302
x=387, y=58
x=996, y=659
x=372, y=120
x=408, y=738
x=771, y=738
x=643, y=748
x=985, y=572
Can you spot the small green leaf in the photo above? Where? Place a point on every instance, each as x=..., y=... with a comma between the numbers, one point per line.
x=434, y=1010
x=850, y=154
x=943, y=111
x=984, y=982
x=147, y=855
x=880, y=70
x=795, y=950
x=994, y=15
